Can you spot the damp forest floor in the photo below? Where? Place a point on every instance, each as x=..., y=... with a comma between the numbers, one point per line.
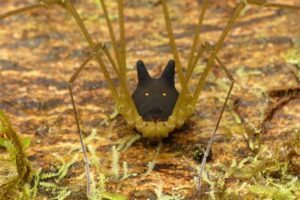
x=256, y=153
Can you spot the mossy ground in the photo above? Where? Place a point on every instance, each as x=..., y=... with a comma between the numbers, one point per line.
x=40, y=50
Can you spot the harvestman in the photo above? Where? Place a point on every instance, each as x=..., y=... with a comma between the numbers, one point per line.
x=158, y=127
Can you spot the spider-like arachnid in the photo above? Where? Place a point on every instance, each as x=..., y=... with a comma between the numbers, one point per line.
x=156, y=108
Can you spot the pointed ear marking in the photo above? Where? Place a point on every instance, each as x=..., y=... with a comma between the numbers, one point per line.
x=169, y=72
x=142, y=72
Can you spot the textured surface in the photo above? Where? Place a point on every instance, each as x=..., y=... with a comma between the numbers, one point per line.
x=40, y=50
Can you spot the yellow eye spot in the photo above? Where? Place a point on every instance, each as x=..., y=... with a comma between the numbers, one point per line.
x=164, y=94
x=146, y=94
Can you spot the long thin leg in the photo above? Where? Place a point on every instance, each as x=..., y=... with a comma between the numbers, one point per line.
x=86, y=160
x=128, y=98
x=41, y=3
x=265, y=3
x=172, y=41
x=111, y=32
x=196, y=40
x=185, y=91
x=103, y=47
x=72, y=10
x=212, y=137
x=278, y=5
x=69, y=7
x=70, y=85
x=74, y=76
x=20, y=10
x=192, y=57
x=210, y=63
x=218, y=46
x=199, y=88
x=122, y=67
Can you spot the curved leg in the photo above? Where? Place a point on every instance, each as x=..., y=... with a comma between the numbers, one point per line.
x=185, y=90
x=196, y=40
x=172, y=41
x=216, y=49
x=199, y=88
x=122, y=66
x=20, y=10
x=212, y=137
x=265, y=3
x=111, y=32
x=192, y=59
x=120, y=53
x=86, y=160
x=69, y=7
x=213, y=57
x=70, y=85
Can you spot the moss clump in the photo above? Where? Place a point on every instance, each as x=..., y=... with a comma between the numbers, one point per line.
x=292, y=56
x=266, y=175
x=14, y=159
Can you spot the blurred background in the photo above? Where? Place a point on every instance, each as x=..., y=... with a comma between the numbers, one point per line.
x=39, y=51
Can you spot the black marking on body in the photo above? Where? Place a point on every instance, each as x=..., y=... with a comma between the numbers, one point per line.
x=155, y=98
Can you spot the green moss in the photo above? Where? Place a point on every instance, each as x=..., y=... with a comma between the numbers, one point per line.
x=265, y=175
x=292, y=56
x=11, y=184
